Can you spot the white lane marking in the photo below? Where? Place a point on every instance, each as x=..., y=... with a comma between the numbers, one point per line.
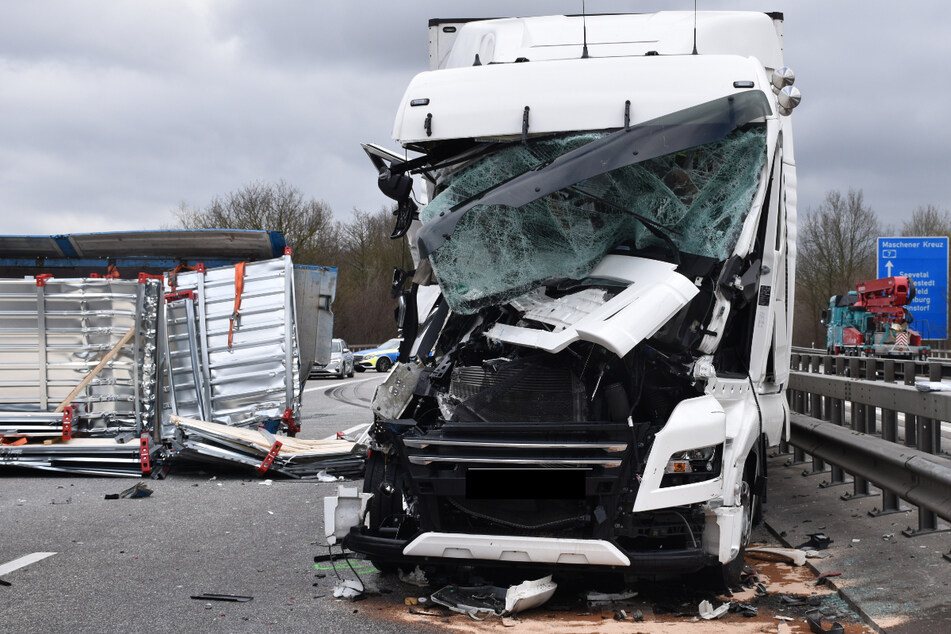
x=331, y=385
x=25, y=560
x=349, y=431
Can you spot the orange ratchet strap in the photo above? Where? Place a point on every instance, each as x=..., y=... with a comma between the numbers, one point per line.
x=238, y=289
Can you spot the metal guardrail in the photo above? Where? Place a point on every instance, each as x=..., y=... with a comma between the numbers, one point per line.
x=824, y=387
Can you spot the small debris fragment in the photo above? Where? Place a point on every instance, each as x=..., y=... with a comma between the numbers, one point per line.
x=210, y=596
x=348, y=590
x=323, y=476
x=708, y=613
x=745, y=609
x=140, y=490
x=814, y=619
x=410, y=601
x=416, y=578
x=605, y=598
x=824, y=577
x=817, y=541
x=509, y=621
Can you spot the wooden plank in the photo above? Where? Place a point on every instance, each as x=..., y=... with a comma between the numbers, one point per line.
x=96, y=370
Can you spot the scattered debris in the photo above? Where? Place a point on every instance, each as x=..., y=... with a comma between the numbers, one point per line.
x=264, y=452
x=475, y=601
x=416, y=578
x=816, y=541
x=603, y=598
x=237, y=598
x=347, y=589
x=793, y=555
x=140, y=490
x=5, y=583
x=478, y=602
x=814, y=619
x=323, y=476
x=707, y=612
x=824, y=577
x=745, y=609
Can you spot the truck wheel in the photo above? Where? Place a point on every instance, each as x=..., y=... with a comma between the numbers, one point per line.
x=383, y=364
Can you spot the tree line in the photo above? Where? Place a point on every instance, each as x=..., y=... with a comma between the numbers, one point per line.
x=359, y=248
x=836, y=243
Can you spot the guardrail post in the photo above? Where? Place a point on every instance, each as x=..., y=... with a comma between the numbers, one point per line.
x=934, y=432
x=860, y=487
x=799, y=406
x=891, y=503
x=837, y=417
x=871, y=414
x=929, y=435
x=911, y=426
x=815, y=410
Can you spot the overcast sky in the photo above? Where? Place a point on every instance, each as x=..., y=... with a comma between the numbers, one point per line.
x=112, y=113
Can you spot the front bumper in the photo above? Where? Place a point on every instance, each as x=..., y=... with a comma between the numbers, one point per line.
x=540, y=552
x=334, y=368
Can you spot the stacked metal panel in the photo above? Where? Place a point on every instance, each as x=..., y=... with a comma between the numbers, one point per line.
x=252, y=379
x=53, y=334
x=267, y=453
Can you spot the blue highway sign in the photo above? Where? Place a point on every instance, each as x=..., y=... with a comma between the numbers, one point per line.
x=925, y=261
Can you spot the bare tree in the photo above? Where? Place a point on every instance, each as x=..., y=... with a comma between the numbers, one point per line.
x=928, y=220
x=365, y=273
x=836, y=250
x=307, y=224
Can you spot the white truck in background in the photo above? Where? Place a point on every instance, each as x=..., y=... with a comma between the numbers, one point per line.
x=602, y=299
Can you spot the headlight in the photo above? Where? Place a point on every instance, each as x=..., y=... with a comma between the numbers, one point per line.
x=693, y=465
x=692, y=461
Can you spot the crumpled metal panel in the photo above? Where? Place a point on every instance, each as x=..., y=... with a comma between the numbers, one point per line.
x=53, y=335
x=255, y=379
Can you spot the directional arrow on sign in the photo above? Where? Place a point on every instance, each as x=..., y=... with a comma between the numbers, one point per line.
x=888, y=267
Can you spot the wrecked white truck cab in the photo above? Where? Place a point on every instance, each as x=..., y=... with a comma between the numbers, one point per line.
x=602, y=300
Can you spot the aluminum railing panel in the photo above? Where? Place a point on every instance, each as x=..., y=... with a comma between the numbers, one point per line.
x=256, y=378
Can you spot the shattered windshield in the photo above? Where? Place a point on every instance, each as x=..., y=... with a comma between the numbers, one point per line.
x=697, y=198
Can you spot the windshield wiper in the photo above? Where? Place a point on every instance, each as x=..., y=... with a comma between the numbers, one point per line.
x=653, y=226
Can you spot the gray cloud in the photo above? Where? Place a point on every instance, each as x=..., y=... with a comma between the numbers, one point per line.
x=115, y=112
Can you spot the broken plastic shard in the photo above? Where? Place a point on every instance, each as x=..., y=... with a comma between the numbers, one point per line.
x=496, y=253
x=707, y=612
x=415, y=578
x=603, y=598
x=348, y=590
x=529, y=594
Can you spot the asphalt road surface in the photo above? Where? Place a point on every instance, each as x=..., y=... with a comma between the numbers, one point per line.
x=131, y=565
